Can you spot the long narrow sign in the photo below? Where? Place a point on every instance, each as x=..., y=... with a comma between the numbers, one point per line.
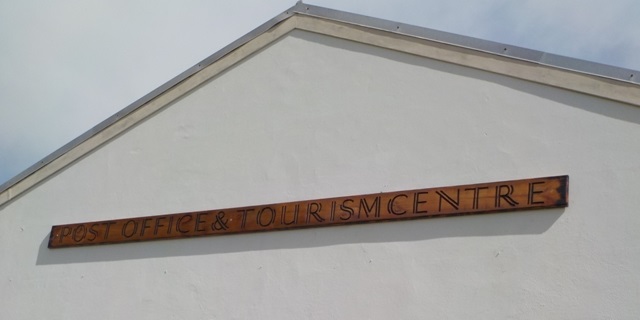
x=538, y=193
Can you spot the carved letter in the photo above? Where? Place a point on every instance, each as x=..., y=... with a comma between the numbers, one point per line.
x=506, y=195
x=244, y=216
x=476, y=195
x=144, y=226
x=93, y=232
x=66, y=231
x=124, y=228
x=271, y=219
x=416, y=202
x=390, y=205
x=532, y=193
x=199, y=221
x=83, y=233
x=364, y=206
x=179, y=223
x=346, y=209
x=158, y=225
x=314, y=212
x=443, y=195
x=283, y=217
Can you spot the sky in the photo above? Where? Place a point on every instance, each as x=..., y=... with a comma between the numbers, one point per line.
x=67, y=65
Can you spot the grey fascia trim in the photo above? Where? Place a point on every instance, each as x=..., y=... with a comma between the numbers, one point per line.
x=572, y=64
x=501, y=49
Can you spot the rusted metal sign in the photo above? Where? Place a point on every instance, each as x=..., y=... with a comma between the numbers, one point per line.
x=537, y=193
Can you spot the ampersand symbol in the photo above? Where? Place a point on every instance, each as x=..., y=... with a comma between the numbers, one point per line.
x=221, y=223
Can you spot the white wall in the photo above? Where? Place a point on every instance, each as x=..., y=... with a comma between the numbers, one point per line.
x=312, y=117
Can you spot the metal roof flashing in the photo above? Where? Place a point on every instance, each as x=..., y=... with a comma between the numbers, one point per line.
x=501, y=49
x=619, y=75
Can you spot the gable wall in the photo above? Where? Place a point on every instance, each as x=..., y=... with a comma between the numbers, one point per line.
x=312, y=117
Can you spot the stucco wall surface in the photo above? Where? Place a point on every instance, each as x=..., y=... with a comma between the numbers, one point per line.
x=313, y=117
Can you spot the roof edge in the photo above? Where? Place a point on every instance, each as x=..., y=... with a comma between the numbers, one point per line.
x=487, y=46
x=146, y=98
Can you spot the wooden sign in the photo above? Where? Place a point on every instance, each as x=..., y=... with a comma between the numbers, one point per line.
x=538, y=193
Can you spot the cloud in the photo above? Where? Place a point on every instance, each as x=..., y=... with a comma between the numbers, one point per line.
x=67, y=65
